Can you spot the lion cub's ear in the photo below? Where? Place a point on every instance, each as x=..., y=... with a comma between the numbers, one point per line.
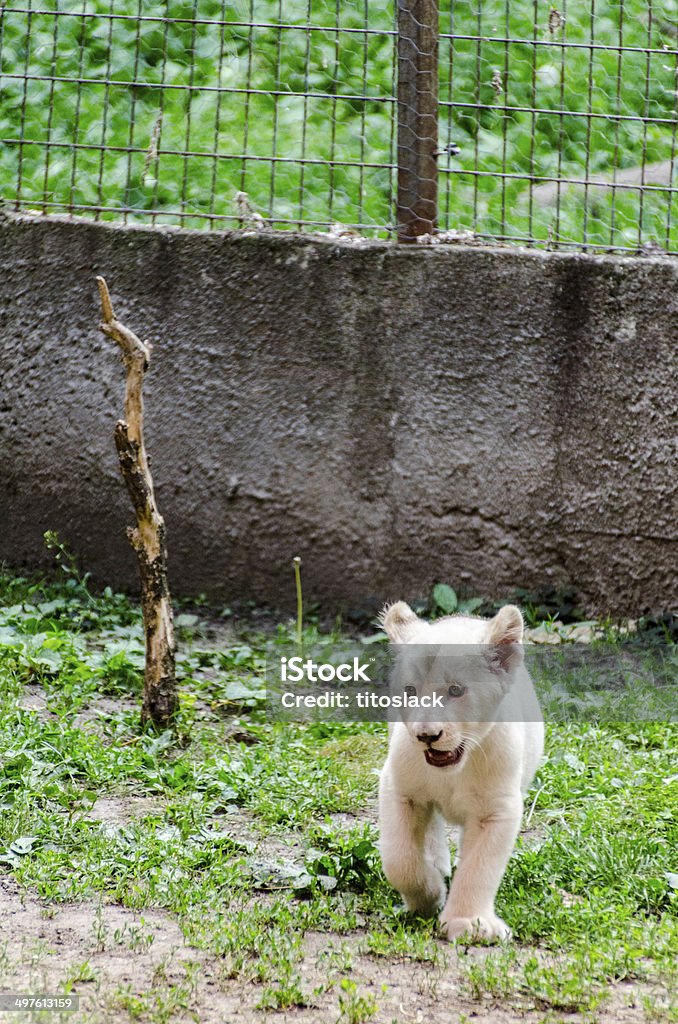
x=399, y=622
x=506, y=627
x=505, y=637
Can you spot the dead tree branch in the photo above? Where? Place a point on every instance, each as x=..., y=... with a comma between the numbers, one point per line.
x=148, y=536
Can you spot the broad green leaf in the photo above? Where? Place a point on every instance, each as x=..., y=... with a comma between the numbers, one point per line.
x=445, y=598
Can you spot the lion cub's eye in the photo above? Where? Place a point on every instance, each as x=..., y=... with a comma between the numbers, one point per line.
x=456, y=690
x=411, y=691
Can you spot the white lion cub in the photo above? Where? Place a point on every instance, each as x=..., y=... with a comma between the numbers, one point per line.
x=470, y=768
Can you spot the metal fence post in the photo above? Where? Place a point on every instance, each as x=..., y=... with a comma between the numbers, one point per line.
x=417, y=118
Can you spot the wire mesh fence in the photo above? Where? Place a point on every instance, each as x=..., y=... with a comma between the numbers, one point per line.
x=164, y=110
x=560, y=122
x=512, y=120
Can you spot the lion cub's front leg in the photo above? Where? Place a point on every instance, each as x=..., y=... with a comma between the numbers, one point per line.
x=486, y=846
x=414, y=851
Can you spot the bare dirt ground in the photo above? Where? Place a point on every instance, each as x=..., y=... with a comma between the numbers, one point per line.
x=46, y=943
x=130, y=966
x=116, y=957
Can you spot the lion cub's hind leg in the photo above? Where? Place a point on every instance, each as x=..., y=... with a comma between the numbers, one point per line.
x=438, y=846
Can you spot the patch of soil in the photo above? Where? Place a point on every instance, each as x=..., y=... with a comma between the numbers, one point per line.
x=123, y=809
x=128, y=966
x=108, y=947
x=88, y=718
x=367, y=815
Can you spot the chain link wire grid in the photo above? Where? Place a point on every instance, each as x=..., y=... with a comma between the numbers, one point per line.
x=200, y=112
x=560, y=122
x=556, y=124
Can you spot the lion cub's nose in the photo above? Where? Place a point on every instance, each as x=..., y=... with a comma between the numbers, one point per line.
x=429, y=737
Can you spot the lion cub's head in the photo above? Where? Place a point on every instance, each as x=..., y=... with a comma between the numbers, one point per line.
x=454, y=673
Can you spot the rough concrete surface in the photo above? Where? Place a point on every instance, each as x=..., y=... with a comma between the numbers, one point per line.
x=491, y=418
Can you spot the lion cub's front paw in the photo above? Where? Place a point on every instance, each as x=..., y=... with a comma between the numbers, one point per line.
x=490, y=928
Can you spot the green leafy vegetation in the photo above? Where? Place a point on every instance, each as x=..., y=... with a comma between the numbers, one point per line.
x=254, y=836
x=629, y=94
x=172, y=115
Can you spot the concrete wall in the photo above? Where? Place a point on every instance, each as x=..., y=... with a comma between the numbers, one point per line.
x=397, y=416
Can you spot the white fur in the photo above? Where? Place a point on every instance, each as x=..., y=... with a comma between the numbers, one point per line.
x=502, y=735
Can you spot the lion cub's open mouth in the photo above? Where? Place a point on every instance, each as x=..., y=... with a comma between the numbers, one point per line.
x=443, y=758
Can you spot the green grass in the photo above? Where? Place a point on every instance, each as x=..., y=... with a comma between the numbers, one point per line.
x=590, y=892
x=130, y=137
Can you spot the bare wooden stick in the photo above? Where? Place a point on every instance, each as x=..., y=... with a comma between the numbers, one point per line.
x=148, y=536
